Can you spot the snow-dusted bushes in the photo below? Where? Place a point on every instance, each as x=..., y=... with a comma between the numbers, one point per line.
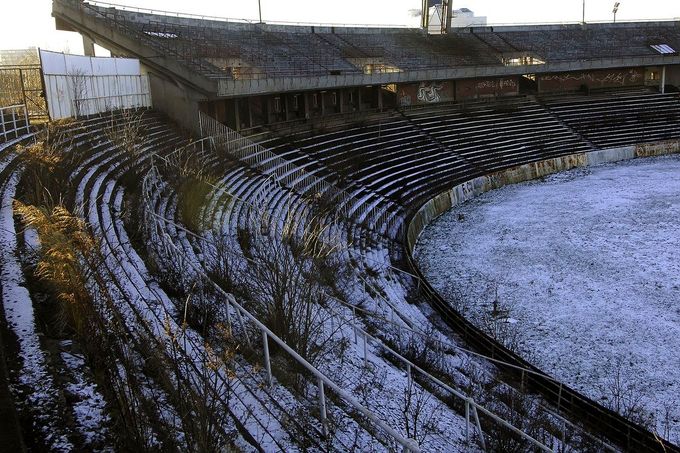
x=285, y=280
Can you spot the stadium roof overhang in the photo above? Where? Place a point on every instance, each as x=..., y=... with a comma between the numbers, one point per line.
x=231, y=88
x=69, y=18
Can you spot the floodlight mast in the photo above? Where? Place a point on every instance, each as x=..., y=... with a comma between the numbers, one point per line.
x=425, y=15
x=446, y=15
x=583, y=18
x=615, y=10
x=259, y=7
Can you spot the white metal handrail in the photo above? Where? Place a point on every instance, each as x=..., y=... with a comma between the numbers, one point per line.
x=14, y=121
x=471, y=406
x=469, y=403
x=408, y=444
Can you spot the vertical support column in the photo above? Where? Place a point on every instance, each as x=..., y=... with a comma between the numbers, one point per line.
x=380, y=98
x=449, y=15
x=306, y=104
x=267, y=362
x=88, y=46
x=425, y=16
x=365, y=350
x=479, y=427
x=323, y=103
x=231, y=333
x=322, y=407
x=250, y=112
x=2, y=121
x=286, y=105
x=663, y=79
x=14, y=123
x=23, y=87
x=27, y=125
x=559, y=397
x=341, y=95
x=467, y=420
x=237, y=115
x=359, y=100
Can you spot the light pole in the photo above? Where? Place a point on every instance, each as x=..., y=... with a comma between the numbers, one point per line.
x=259, y=7
x=583, y=18
x=615, y=10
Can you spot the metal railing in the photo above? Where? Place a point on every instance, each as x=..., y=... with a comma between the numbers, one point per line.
x=471, y=406
x=22, y=84
x=236, y=20
x=237, y=316
x=371, y=215
x=100, y=104
x=14, y=121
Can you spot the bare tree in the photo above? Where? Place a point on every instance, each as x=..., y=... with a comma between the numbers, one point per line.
x=419, y=412
x=625, y=395
x=77, y=81
x=288, y=264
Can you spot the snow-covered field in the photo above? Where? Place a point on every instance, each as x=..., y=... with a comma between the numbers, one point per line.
x=587, y=265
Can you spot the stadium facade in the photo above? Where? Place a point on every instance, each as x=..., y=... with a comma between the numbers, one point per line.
x=252, y=74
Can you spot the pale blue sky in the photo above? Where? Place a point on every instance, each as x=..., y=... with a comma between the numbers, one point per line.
x=29, y=23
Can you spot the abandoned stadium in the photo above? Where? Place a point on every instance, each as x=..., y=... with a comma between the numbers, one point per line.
x=209, y=239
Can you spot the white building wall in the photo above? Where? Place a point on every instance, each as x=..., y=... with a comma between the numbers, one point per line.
x=78, y=86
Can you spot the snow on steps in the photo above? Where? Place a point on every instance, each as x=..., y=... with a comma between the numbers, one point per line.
x=42, y=394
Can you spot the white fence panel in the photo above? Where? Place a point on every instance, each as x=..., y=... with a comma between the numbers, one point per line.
x=79, y=86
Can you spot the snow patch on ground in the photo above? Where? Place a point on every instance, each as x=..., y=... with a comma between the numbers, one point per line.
x=89, y=407
x=587, y=264
x=42, y=396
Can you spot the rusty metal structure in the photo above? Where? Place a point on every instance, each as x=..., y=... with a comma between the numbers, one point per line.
x=23, y=85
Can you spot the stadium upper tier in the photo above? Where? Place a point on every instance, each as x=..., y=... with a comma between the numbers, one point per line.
x=219, y=49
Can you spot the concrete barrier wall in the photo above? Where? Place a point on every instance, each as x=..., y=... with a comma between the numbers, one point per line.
x=477, y=186
x=604, y=156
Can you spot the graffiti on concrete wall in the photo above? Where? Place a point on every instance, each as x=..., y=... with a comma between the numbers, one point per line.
x=429, y=93
x=424, y=93
x=492, y=84
x=609, y=78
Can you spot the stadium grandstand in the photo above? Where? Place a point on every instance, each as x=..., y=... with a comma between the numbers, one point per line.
x=210, y=245
x=252, y=74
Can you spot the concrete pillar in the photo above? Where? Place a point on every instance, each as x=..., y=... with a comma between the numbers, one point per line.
x=286, y=104
x=306, y=98
x=237, y=115
x=449, y=15
x=341, y=95
x=323, y=103
x=88, y=46
x=380, y=99
x=359, y=100
x=663, y=79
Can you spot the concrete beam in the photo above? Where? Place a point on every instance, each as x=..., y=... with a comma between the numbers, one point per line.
x=77, y=20
x=231, y=88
